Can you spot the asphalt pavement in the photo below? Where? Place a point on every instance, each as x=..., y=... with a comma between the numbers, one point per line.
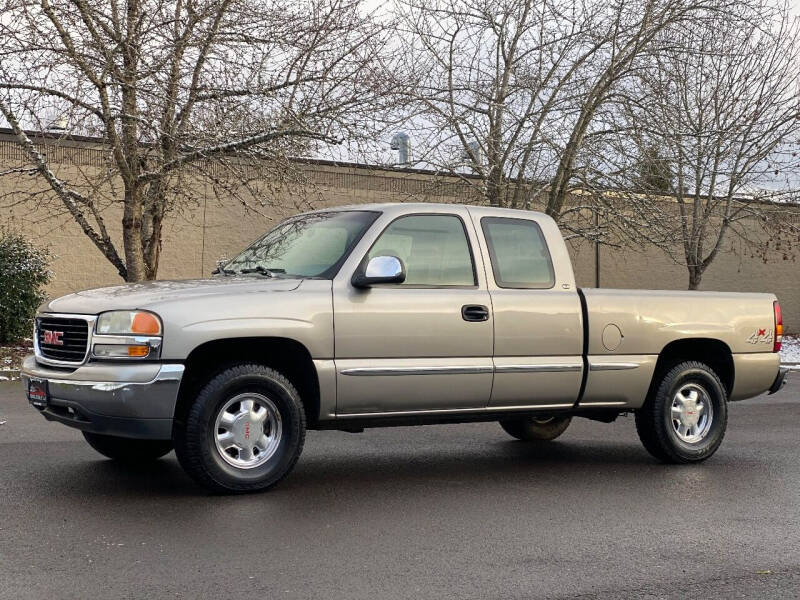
x=447, y=511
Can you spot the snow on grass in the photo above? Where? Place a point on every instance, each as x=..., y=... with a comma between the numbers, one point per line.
x=790, y=349
x=11, y=357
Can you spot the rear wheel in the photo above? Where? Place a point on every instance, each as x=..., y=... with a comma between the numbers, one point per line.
x=244, y=432
x=128, y=449
x=532, y=429
x=685, y=419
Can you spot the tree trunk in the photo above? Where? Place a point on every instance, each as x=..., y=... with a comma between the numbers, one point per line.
x=695, y=275
x=154, y=247
x=560, y=184
x=494, y=186
x=153, y=212
x=132, y=235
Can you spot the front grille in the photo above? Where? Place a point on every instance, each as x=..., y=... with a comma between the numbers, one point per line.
x=74, y=335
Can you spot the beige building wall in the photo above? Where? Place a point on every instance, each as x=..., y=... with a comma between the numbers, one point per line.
x=198, y=235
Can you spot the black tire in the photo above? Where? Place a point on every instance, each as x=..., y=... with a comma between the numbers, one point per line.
x=654, y=421
x=195, y=444
x=128, y=450
x=531, y=429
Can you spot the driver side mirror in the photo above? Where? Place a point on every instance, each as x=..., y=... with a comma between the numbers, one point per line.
x=380, y=269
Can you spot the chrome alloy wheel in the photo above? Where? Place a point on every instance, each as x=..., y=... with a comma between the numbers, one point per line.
x=691, y=413
x=248, y=430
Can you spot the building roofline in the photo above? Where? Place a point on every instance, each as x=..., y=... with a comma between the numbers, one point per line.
x=52, y=135
x=400, y=170
x=99, y=141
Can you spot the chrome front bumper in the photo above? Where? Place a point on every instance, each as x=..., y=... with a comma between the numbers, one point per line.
x=136, y=401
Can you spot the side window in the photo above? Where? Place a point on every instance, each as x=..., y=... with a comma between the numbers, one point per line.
x=434, y=249
x=519, y=254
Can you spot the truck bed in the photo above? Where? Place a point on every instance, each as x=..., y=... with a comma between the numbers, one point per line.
x=626, y=330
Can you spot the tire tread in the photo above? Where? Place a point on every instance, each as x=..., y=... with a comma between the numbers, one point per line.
x=654, y=436
x=189, y=450
x=528, y=431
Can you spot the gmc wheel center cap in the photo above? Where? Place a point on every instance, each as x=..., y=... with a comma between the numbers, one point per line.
x=247, y=432
x=690, y=415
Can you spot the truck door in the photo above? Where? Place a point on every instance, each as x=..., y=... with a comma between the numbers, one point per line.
x=537, y=314
x=425, y=344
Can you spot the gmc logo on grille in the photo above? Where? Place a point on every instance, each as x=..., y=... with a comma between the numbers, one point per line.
x=52, y=337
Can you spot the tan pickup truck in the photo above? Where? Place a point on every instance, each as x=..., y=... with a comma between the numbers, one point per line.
x=392, y=314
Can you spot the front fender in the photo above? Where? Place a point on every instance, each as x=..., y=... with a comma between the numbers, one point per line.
x=304, y=315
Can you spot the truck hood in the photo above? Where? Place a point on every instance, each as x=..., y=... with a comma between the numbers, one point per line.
x=152, y=294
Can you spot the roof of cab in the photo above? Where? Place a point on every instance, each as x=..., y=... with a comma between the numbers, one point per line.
x=412, y=207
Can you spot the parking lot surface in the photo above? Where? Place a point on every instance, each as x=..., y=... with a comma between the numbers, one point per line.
x=454, y=511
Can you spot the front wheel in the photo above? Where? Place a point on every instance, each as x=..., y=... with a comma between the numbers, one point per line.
x=244, y=432
x=536, y=429
x=127, y=449
x=685, y=419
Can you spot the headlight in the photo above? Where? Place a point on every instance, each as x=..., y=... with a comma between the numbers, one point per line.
x=125, y=334
x=128, y=322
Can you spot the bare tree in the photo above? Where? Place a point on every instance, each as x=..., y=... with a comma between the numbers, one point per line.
x=506, y=93
x=491, y=80
x=628, y=32
x=207, y=89
x=719, y=109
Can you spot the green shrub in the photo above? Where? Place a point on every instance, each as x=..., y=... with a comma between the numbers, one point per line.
x=23, y=275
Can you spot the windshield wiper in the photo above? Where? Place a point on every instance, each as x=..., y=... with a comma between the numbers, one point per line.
x=263, y=271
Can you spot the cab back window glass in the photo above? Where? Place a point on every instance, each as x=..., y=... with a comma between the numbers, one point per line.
x=519, y=254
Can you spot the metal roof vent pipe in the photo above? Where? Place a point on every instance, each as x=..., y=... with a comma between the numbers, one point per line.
x=473, y=156
x=402, y=143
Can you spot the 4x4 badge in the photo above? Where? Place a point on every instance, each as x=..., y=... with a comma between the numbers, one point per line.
x=760, y=336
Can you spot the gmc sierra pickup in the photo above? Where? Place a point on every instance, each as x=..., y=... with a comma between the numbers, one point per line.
x=392, y=314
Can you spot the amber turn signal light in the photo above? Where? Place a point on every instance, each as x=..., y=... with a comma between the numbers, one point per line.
x=138, y=351
x=145, y=324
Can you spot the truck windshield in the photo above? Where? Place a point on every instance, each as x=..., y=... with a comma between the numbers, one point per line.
x=312, y=245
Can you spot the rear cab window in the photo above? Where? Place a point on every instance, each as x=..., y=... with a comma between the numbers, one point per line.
x=518, y=253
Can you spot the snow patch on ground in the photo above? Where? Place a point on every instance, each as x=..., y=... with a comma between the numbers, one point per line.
x=790, y=349
x=11, y=357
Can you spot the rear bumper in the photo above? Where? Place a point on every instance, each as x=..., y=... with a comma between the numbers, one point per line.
x=780, y=380
x=136, y=401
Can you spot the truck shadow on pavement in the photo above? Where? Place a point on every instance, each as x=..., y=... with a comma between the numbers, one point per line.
x=508, y=462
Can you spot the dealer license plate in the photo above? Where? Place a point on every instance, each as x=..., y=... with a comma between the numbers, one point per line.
x=37, y=392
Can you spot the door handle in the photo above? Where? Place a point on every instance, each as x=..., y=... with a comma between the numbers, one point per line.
x=474, y=312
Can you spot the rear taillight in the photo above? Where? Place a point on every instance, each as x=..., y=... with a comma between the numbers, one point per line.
x=778, y=326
